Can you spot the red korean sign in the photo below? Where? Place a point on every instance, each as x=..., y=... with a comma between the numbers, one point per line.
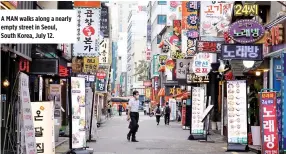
x=269, y=135
x=100, y=75
x=207, y=46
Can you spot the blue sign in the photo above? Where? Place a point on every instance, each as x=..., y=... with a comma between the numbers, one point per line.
x=277, y=74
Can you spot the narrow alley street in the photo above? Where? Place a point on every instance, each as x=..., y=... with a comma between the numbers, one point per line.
x=153, y=139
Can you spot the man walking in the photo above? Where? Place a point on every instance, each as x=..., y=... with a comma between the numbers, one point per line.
x=167, y=112
x=133, y=114
x=158, y=114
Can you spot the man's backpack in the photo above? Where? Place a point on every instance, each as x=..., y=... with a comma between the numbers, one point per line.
x=158, y=111
x=167, y=110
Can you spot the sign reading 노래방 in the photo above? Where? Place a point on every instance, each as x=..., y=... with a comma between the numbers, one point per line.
x=248, y=9
x=198, y=107
x=270, y=140
x=28, y=141
x=43, y=117
x=182, y=68
x=237, y=111
x=242, y=51
x=207, y=46
x=90, y=65
x=104, y=51
x=215, y=17
x=246, y=31
x=78, y=115
x=88, y=31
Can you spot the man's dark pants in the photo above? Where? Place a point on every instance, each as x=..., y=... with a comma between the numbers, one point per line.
x=167, y=118
x=133, y=126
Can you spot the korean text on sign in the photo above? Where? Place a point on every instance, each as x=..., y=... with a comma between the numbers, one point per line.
x=242, y=52
x=269, y=122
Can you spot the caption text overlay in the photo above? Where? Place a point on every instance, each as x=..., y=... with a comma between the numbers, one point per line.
x=38, y=26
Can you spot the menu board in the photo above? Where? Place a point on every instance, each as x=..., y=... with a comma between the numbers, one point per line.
x=78, y=112
x=198, y=107
x=237, y=111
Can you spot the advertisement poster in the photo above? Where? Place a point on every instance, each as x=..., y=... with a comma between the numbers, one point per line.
x=237, y=111
x=88, y=108
x=88, y=24
x=55, y=95
x=28, y=141
x=269, y=139
x=78, y=112
x=43, y=117
x=173, y=106
x=198, y=107
x=215, y=17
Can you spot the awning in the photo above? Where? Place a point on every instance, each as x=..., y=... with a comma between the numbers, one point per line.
x=183, y=95
x=161, y=92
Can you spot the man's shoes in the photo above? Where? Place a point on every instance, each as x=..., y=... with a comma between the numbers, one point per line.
x=157, y=123
x=134, y=140
x=128, y=137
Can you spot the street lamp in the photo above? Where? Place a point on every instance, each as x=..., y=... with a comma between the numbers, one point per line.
x=248, y=64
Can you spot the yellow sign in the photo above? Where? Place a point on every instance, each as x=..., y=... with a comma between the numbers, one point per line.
x=246, y=9
x=175, y=91
x=148, y=92
x=90, y=65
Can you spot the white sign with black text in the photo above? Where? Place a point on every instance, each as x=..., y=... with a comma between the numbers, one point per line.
x=104, y=51
x=88, y=31
x=182, y=66
x=43, y=116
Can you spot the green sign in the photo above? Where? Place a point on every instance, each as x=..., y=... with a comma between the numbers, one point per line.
x=155, y=65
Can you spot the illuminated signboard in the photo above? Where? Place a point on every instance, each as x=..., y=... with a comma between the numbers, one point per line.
x=246, y=10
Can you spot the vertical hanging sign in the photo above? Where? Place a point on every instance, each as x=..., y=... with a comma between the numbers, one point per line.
x=104, y=51
x=270, y=140
x=190, y=22
x=88, y=30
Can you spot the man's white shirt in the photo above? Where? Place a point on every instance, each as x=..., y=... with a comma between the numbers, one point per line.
x=134, y=105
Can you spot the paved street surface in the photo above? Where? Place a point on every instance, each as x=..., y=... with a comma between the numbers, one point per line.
x=153, y=139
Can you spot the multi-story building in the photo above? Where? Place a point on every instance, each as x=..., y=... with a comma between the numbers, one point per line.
x=136, y=46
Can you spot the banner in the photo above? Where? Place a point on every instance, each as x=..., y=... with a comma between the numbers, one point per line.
x=104, y=21
x=88, y=24
x=90, y=65
x=104, y=51
x=88, y=108
x=55, y=96
x=78, y=114
x=215, y=17
x=183, y=120
x=198, y=107
x=28, y=141
x=43, y=117
x=148, y=92
x=269, y=129
x=237, y=111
